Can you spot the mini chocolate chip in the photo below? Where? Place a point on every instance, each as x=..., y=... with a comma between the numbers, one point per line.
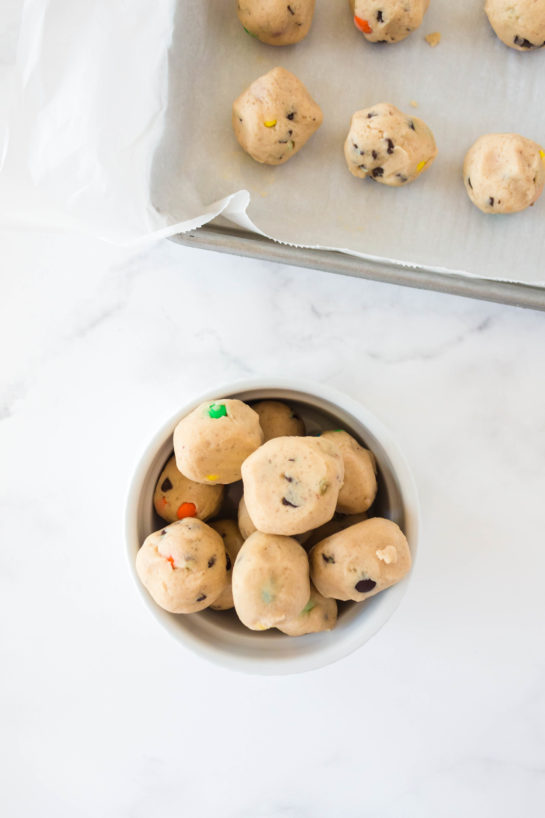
x=374, y=154
x=469, y=183
x=381, y=41
x=166, y=485
x=286, y=502
x=290, y=133
x=491, y=201
x=283, y=141
x=356, y=146
x=402, y=177
x=163, y=532
x=288, y=478
x=290, y=460
x=227, y=562
x=211, y=562
x=291, y=11
x=328, y=558
x=522, y=42
x=380, y=18
x=291, y=116
x=293, y=415
x=365, y=585
x=390, y=146
x=201, y=598
x=371, y=114
x=362, y=167
x=411, y=125
x=378, y=172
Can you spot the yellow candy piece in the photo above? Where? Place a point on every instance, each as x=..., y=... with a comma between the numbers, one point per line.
x=270, y=123
x=422, y=165
x=211, y=476
x=542, y=154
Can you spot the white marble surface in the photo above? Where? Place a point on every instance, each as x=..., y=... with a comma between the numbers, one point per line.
x=103, y=714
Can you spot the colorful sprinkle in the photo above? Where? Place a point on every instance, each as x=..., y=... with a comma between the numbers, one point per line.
x=309, y=606
x=362, y=25
x=217, y=410
x=270, y=123
x=249, y=32
x=186, y=510
x=171, y=560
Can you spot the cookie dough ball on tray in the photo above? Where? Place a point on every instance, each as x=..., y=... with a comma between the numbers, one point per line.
x=270, y=581
x=520, y=24
x=360, y=561
x=504, y=172
x=276, y=22
x=388, y=21
x=232, y=540
x=360, y=483
x=211, y=442
x=386, y=145
x=319, y=614
x=277, y=419
x=183, y=566
x=275, y=117
x=176, y=496
x=291, y=484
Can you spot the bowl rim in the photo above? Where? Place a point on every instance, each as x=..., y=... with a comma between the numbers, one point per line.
x=407, y=487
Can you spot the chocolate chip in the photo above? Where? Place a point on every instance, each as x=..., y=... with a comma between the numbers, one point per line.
x=286, y=502
x=291, y=11
x=390, y=146
x=356, y=146
x=378, y=172
x=227, y=562
x=328, y=558
x=371, y=114
x=411, y=125
x=374, y=154
x=491, y=201
x=290, y=460
x=365, y=585
x=291, y=116
x=522, y=42
x=362, y=167
x=469, y=183
x=288, y=478
x=402, y=177
x=380, y=18
x=201, y=597
x=211, y=562
x=163, y=532
x=166, y=485
x=290, y=133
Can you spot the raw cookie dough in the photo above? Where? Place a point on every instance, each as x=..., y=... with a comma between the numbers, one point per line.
x=291, y=484
x=245, y=524
x=388, y=146
x=183, y=566
x=270, y=581
x=388, y=21
x=278, y=419
x=360, y=483
x=176, y=496
x=212, y=441
x=504, y=172
x=232, y=540
x=338, y=523
x=360, y=561
x=319, y=614
x=520, y=24
x=276, y=22
x=274, y=117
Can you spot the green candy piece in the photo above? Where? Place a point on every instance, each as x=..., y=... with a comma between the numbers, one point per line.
x=249, y=32
x=308, y=607
x=217, y=410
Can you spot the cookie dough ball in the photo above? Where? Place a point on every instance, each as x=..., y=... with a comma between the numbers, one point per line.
x=183, y=566
x=176, y=496
x=270, y=581
x=232, y=540
x=520, y=24
x=319, y=614
x=274, y=117
x=360, y=561
x=388, y=21
x=338, y=523
x=276, y=22
x=245, y=522
x=504, y=173
x=360, y=483
x=212, y=441
x=278, y=419
x=388, y=146
x=291, y=484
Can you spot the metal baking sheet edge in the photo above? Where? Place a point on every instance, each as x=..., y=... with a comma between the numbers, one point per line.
x=242, y=243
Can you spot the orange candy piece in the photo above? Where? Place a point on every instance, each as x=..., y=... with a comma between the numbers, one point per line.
x=362, y=25
x=186, y=510
x=171, y=560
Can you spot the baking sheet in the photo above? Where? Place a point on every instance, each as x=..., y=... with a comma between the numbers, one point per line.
x=470, y=84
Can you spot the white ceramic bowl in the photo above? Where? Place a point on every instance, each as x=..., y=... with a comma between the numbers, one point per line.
x=219, y=636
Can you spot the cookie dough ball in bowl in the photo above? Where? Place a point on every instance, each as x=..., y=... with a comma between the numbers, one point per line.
x=319, y=614
x=291, y=484
x=520, y=24
x=277, y=419
x=388, y=21
x=360, y=561
x=183, y=566
x=504, y=172
x=211, y=442
x=276, y=22
x=275, y=117
x=245, y=522
x=176, y=496
x=270, y=581
x=338, y=523
x=388, y=146
x=232, y=540
x=360, y=469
